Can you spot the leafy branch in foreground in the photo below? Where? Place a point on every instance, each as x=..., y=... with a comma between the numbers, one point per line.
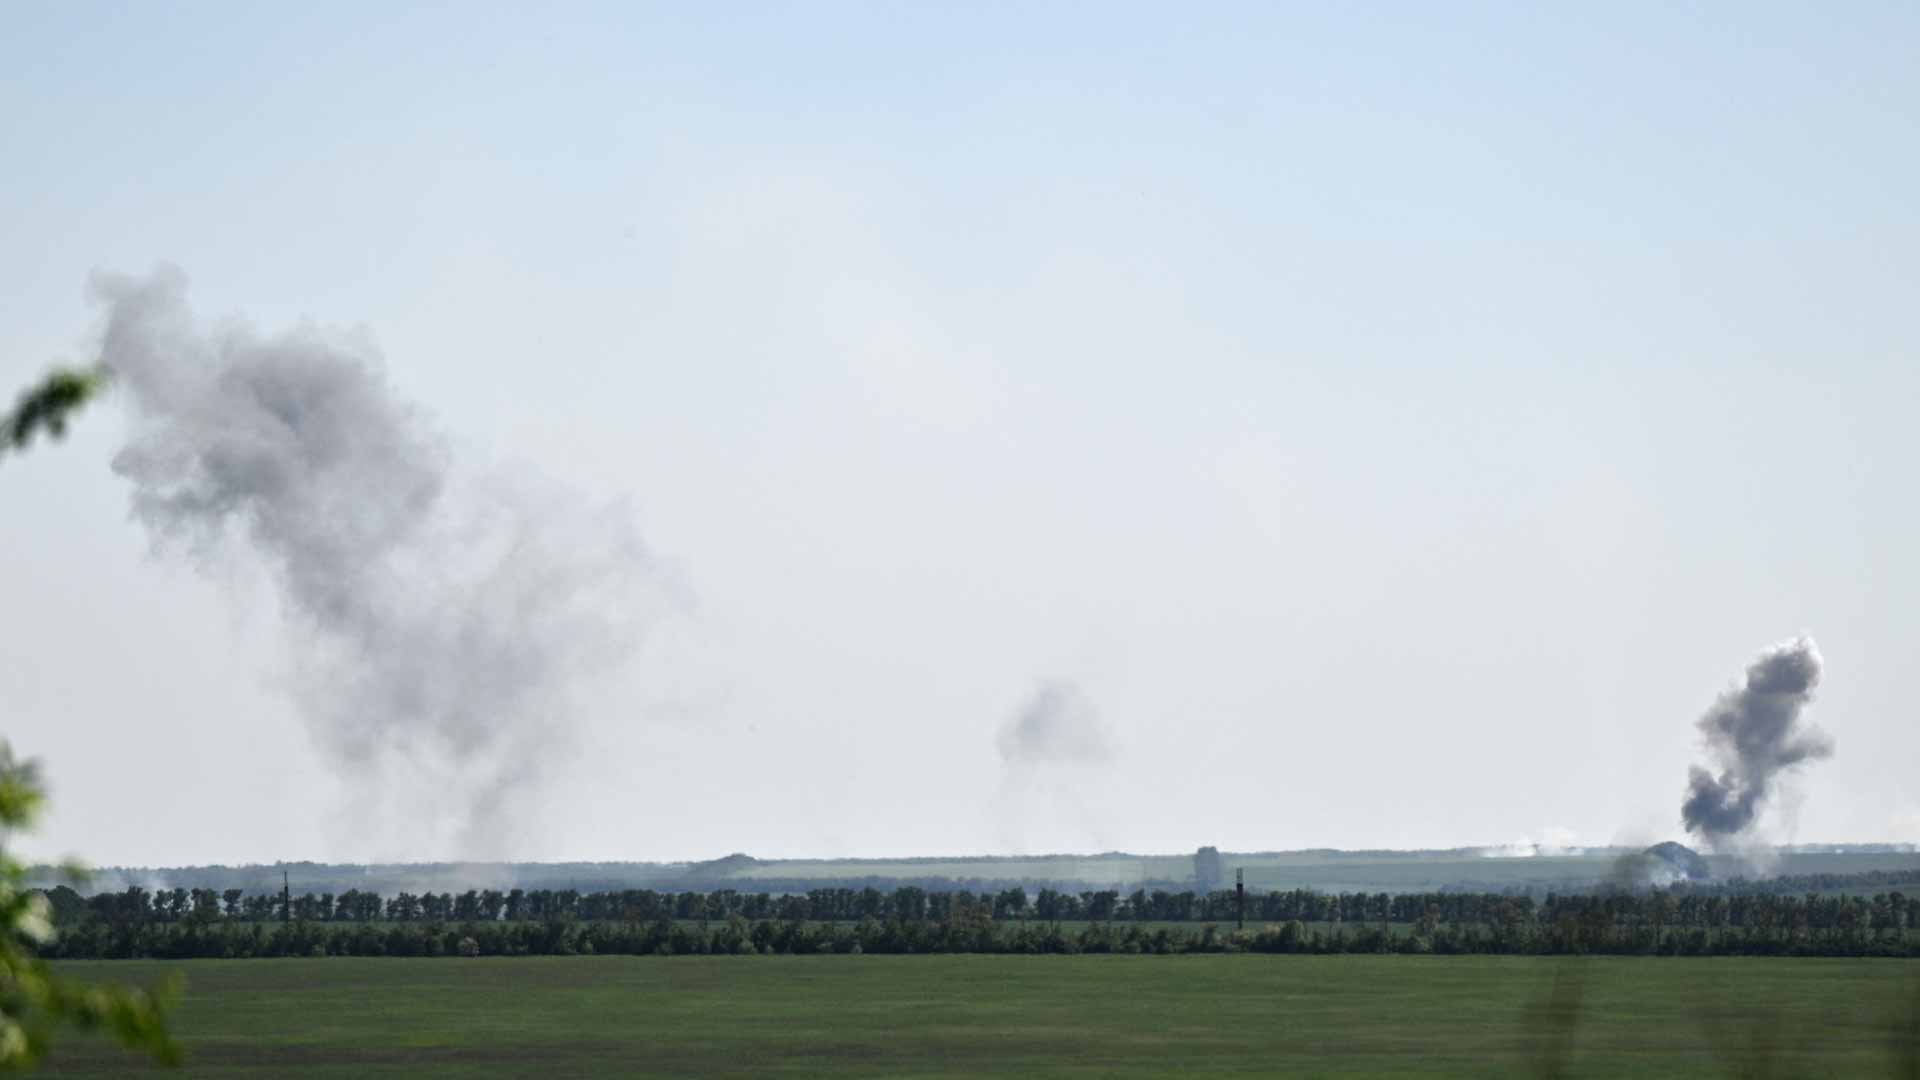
x=33, y=1000
x=47, y=405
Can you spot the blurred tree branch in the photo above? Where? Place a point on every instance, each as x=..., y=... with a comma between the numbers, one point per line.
x=35, y=1002
x=46, y=406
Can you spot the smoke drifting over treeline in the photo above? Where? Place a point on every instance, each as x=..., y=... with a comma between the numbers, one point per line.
x=446, y=617
x=1753, y=733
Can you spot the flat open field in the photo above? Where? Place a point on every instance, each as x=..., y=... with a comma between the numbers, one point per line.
x=1080, y=1016
x=1325, y=871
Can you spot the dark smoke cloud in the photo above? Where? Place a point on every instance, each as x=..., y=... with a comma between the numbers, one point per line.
x=1753, y=734
x=1057, y=725
x=447, y=618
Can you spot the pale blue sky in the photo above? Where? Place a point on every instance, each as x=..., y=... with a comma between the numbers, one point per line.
x=1399, y=421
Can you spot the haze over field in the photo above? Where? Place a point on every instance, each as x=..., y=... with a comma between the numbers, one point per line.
x=1262, y=428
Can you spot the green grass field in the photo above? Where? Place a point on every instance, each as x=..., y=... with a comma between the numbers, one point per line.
x=928, y=1016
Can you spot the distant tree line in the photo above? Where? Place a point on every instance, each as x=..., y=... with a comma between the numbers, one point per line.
x=1863, y=881
x=195, y=923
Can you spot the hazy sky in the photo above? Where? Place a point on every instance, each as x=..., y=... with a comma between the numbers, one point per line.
x=1392, y=427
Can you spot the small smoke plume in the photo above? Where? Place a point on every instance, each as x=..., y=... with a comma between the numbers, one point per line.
x=1554, y=841
x=1049, y=748
x=446, y=617
x=1753, y=733
x=1057, y=725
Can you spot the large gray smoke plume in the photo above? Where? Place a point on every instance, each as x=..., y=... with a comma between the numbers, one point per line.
x=1754, y=733
x=447, y=617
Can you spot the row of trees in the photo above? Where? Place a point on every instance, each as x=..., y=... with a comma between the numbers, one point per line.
x=1671, y=909
x=1859, y=881
x=1573, y=933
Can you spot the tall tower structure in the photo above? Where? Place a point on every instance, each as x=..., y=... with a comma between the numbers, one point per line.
x=1239, y=898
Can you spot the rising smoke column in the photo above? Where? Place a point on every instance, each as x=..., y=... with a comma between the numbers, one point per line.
x=1753, y=733
x=445, y=618
x=1051, y=751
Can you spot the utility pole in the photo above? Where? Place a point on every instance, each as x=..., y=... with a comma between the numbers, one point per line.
x=1240, y=898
